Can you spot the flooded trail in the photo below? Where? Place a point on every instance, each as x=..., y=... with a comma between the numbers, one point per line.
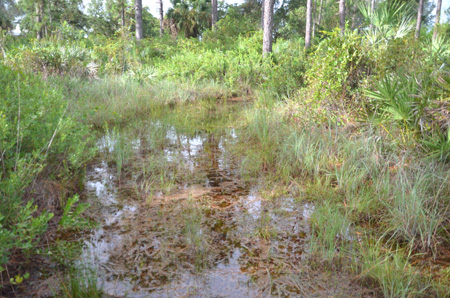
x=181, y=223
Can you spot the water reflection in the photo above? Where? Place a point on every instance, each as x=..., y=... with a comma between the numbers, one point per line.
x=147, y=249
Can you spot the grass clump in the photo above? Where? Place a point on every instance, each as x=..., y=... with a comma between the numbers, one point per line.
x=331, y=232
x=391, y=272
x=80, y=284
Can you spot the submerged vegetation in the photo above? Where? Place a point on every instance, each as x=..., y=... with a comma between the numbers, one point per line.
x=322, y=170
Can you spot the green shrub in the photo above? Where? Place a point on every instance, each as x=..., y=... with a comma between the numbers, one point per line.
x=36, y=133
x=336, y=72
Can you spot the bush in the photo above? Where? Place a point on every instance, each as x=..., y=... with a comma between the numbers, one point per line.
x=36, y=133
x=336, y=72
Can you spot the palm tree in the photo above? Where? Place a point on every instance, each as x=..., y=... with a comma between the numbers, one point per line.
x=438, y=18
x=268, y=24
x=189, y=17
x=138, y=19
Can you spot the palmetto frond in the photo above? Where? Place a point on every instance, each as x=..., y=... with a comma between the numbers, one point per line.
x=390, y=20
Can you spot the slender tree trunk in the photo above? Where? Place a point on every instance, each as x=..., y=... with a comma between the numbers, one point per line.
x=342, y=16
x=138, y=19
x=372, y=10
x=314, y=19
x=50, y=15
x=320, y=13
x=438, y=18
x=123, y=16
x=214, y=13
x=308, y=23
x=268, y=24
x=262, y=14
x=161, y=18
x=419, y=18
x=39, y=18
x=353, y=17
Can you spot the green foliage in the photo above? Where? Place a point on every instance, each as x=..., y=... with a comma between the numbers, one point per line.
x=46, y=17
x=71, y=218
x=401, y=102
x=190, y=17
x=438, y=147
x=330, y=231
x=336, y=71
x=21, y=232
x=36, y=134
x=390, y=20
x=391, y=271
x=8, y=11
x=229, y=29
x=120, y=148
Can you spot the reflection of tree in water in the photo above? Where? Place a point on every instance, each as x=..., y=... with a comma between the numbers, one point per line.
x=156, y=244
x=211, y=147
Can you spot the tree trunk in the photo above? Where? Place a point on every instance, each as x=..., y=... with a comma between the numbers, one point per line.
x=419, y=18
x=161, y=18
x=372, y=10
x=342, y=15
x=438, y=18
x=314, y=19
x=262, y=14
x=308, y=23
x=50, y=15
x=123, y=16
x=39, y=18
x=214, y=14
x=138, y=19
x=268, y=24
x=354, y=8
x=320, y=13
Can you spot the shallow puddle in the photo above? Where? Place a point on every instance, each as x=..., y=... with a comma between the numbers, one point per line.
x=197, y=230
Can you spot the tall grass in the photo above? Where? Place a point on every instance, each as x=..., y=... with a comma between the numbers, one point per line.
x=416, y=210
x=120, y=99
x=359, y=180
x=391, y=271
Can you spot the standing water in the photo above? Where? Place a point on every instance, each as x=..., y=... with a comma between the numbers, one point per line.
x=180, y=222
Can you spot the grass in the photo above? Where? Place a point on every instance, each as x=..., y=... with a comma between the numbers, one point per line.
x=331, y=232
x=359, y=181
x=119, y=147
x=416, y=210
x=119, y=99
x=195, y=240
x=357, y=178
x=80, y=284
x=390, y=271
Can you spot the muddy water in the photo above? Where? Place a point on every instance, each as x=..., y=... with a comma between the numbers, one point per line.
x=198, y=230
